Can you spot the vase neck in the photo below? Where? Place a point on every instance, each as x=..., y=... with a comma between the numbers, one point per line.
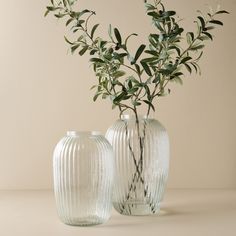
x=83, y=133
x=133, y=117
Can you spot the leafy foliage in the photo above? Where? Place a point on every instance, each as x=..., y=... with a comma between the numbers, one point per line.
x=152, y=67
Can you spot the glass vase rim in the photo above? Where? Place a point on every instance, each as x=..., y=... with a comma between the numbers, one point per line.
x=132, y=116
x=83, y=133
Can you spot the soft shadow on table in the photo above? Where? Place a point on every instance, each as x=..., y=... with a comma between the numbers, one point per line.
x=130, y=221
x=195, y=205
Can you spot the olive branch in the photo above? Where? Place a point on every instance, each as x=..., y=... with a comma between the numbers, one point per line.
x=151, y=67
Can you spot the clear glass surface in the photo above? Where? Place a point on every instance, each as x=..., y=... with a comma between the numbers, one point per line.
x=83, y=168
x=141, y=148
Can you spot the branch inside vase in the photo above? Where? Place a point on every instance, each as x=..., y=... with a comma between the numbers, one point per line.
x=138, y=176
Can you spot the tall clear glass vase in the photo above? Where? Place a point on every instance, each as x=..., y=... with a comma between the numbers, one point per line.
x=83, y=165
x=141, y=148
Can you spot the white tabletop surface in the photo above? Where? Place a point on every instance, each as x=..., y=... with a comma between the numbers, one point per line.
x=185, y=213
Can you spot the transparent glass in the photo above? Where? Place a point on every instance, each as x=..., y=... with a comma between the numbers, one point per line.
x=83, y=165
x=141, y=148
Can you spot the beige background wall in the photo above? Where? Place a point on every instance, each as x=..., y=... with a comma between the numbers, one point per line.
x=44, y=92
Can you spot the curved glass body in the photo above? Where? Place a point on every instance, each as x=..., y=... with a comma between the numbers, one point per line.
x=83, y=178
x=141, y=148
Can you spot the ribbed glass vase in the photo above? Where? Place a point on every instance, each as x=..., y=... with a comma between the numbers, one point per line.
x=141, y=148
x=83, y=168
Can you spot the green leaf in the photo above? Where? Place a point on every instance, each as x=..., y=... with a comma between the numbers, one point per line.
x=59, y=15
x=222, y=12
x=83, y=51
x=177, y=74
x=135, y=81
x=179, y=31
x=153, y=14
x=110, y=32
x=119, y=73
x=208, y=35
x=185, y=60
x=155, y=37
x=195, y=67
x=188, y=68
x=119, y=98
x=102, y=44
x=73, y=49
x=166, y=72
x=149, y=59
x=203, y=24
x=138, y=53
x=96, y=96
x=135, y=103
x=149, y=104
x=158, y=25
x=129, y=84
x=197, y=47
x=65, y=3
x=209, y=28
x=157, y=79
x=202, y=38
x=148, y=92
x=79, y=14
x=150, y=7
x=178, y=80
x=92, y=52
x=153, y=43
x=152, y=52
x=199, y=57
x=138, y=69
x=71, y=2
x=118, y=36
x=67, y=40
x=46, y=13
x=133, y=90
x=169, y=13
x=69, y=21
x=217, y=22
x=75, y=30
x=146, y=68
x=93, y=30
x=49, y=8
x=80, y=22
x=97, y=60
x=190, y=37
x=119, y=55
x=93, y=87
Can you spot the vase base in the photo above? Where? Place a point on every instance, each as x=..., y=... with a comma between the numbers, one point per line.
x=137, y=209
x=91, y=221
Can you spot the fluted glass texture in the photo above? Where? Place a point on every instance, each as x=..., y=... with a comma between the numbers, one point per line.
x=83, y=165
x=141, y=148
